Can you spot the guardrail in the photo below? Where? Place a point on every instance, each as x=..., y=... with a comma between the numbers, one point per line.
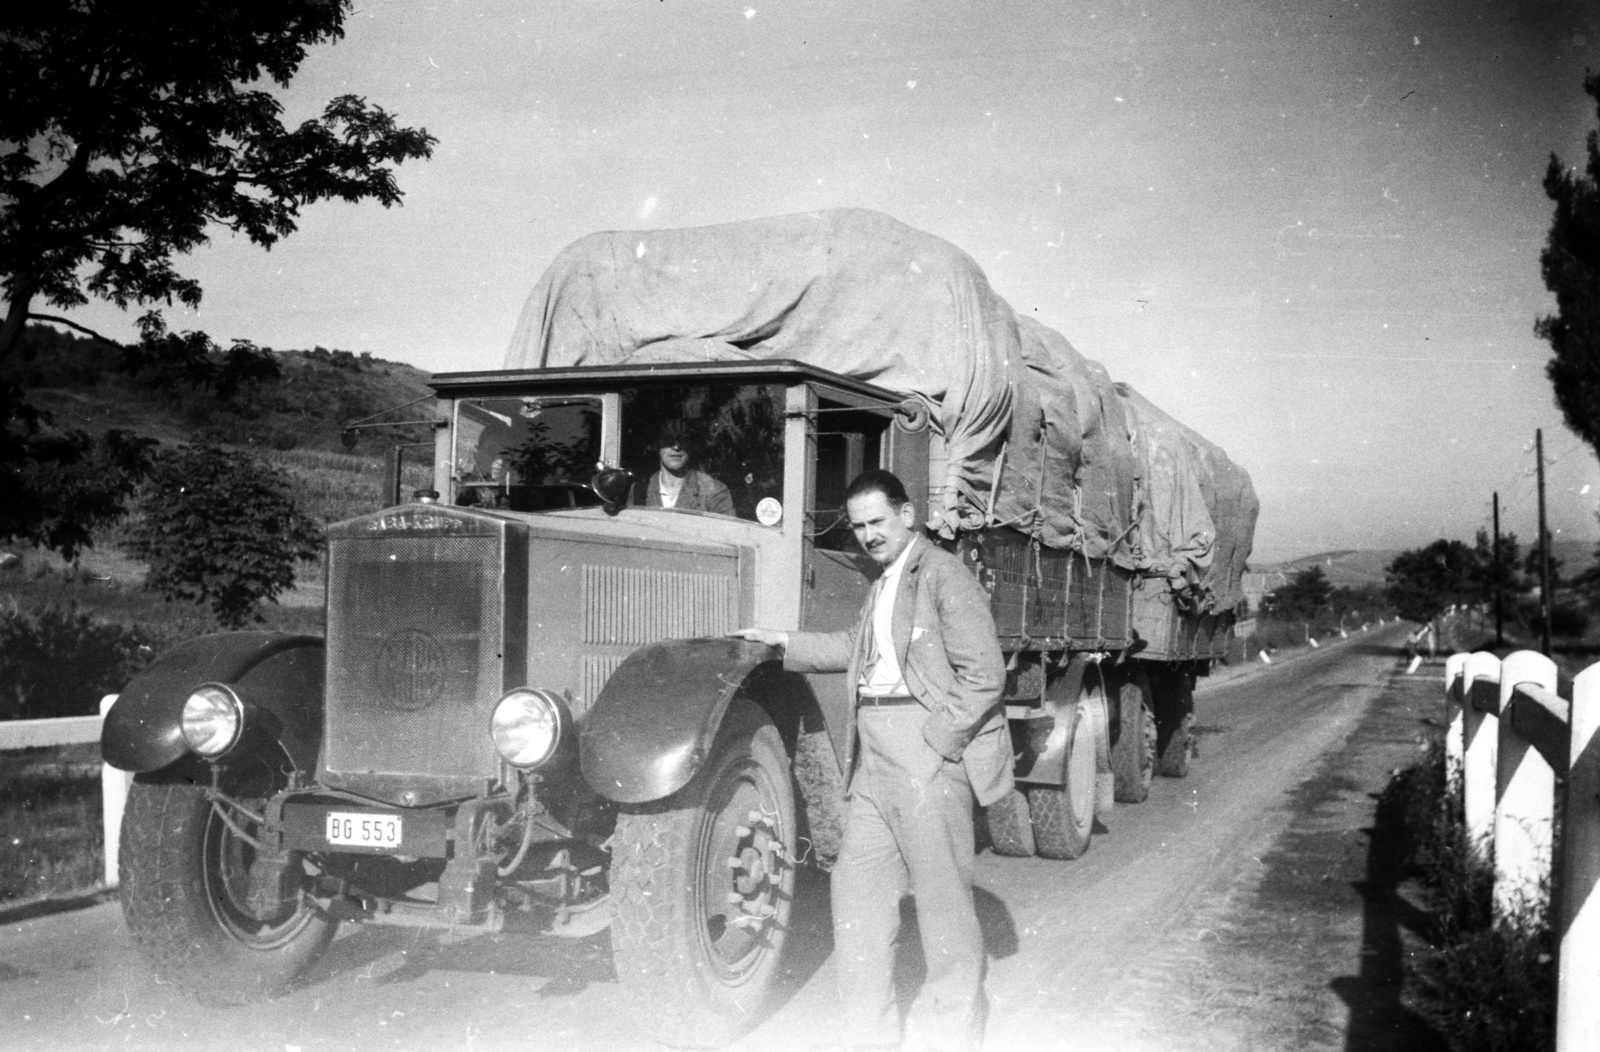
x=80, y=730
x=1519, y=751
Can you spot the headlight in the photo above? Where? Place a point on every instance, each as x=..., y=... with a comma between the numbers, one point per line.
x=527, y=725
x=213, y=717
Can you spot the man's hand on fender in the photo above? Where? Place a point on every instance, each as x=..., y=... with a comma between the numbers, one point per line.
x=768, y=636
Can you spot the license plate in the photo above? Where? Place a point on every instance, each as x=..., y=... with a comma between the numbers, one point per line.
x=355, y=829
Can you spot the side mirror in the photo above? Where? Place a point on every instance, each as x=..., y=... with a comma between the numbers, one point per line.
x=347, y=438
x=611, y=485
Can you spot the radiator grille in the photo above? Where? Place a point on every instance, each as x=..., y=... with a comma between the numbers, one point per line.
x=414, y=654
x=597, y=668
x=624, y=606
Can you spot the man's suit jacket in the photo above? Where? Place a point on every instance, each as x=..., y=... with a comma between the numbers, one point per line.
x=950, y=657
x=700, y=492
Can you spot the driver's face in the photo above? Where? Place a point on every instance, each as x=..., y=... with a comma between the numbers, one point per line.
x=674, y=458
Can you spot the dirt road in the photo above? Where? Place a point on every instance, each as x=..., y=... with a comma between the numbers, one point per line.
x=1221, y=914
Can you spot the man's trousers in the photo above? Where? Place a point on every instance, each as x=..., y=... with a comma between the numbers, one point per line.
x=908, y=828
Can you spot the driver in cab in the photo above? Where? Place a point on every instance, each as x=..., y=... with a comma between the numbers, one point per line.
x=676, y=484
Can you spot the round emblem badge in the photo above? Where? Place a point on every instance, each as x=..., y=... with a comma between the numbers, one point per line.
x=769, y=512
x=411, y=670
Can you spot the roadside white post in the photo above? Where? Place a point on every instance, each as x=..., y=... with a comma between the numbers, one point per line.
x=113, y=798
x=1455, y=741
x=1578, y=927
x=1481, y=730
x=1525, y=789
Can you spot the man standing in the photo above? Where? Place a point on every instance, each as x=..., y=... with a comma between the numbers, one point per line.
x=925, y=674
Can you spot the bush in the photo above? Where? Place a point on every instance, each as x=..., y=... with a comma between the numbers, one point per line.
x=1567, y=620
x=221, y=529
x=1485, y=986
x=62, y=661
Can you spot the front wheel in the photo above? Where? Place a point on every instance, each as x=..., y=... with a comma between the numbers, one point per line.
x=703, y=885
x=216, y=918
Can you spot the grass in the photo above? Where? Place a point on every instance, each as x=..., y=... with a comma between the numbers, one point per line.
x=51, y=841
x=1486, y=986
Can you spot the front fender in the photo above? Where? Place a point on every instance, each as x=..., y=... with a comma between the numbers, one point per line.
x=278, y=675
x=655, y=719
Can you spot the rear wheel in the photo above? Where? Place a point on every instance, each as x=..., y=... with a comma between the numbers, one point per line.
x=1010, y=825
x=1174, y=711
x=213, y=915
x=1133, y=758
x=1063, y=819
x=703, y=884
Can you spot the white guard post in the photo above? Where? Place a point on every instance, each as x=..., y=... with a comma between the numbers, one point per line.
x=1455, y=741
x=113, y=798
x=1525, y=789
x=1578, y=920
x=1481, y=728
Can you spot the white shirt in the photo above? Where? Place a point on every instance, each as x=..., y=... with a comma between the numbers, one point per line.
x=669, y=486
x=884, y=675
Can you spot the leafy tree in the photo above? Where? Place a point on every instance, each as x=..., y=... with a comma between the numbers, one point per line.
x=1364, y=602
x=1586, y=583
x=1530, y=566
x=61, y=661
x=190, y=359
x=127, y=133
x=130, y=129
x=1505, y=576
x=221, y=528
x=1571, y=267
x=56, y=488
x=1305, y=596
x=1423, y=582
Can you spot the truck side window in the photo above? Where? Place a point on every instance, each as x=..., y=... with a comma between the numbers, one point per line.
x=849, y=441
x=527, y=454
x=731, y=433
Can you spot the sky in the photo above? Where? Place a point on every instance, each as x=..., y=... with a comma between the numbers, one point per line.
x=1310, y=229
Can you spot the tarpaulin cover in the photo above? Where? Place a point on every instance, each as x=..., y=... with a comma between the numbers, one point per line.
x=848, y=290
x=1174, y=498
x=861, y=294
x=1069, y=469
x=1235, y=516
x=1196, y=509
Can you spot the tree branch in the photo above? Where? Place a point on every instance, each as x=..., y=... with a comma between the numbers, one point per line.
x=74, y=325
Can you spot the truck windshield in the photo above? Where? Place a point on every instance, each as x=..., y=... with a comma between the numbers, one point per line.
x=527, y=454
x=704, y=447
x=715, y=448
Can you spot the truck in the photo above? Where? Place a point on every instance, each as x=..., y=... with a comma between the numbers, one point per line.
x=527, y=713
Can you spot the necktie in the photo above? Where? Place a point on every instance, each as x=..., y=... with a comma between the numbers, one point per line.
x=872, y=630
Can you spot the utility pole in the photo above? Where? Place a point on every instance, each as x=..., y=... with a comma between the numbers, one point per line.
x=1544, y=550
x=1499, y=623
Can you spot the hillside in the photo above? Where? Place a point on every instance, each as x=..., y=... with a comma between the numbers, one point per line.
x=293, y=422
x=86, y=384
x=1344, y=569
x=1354, y=569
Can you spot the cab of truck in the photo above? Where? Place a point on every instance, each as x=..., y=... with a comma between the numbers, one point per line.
x=526, y=708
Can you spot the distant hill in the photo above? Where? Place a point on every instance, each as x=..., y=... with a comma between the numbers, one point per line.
x=83, y=383
x=1344, y=569
x=1360, y=567
x=293, y=422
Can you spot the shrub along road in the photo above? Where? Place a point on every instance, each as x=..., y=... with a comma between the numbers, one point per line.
x=1237, y=909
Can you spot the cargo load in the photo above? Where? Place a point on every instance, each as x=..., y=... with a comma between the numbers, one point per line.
x=1036, y=437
